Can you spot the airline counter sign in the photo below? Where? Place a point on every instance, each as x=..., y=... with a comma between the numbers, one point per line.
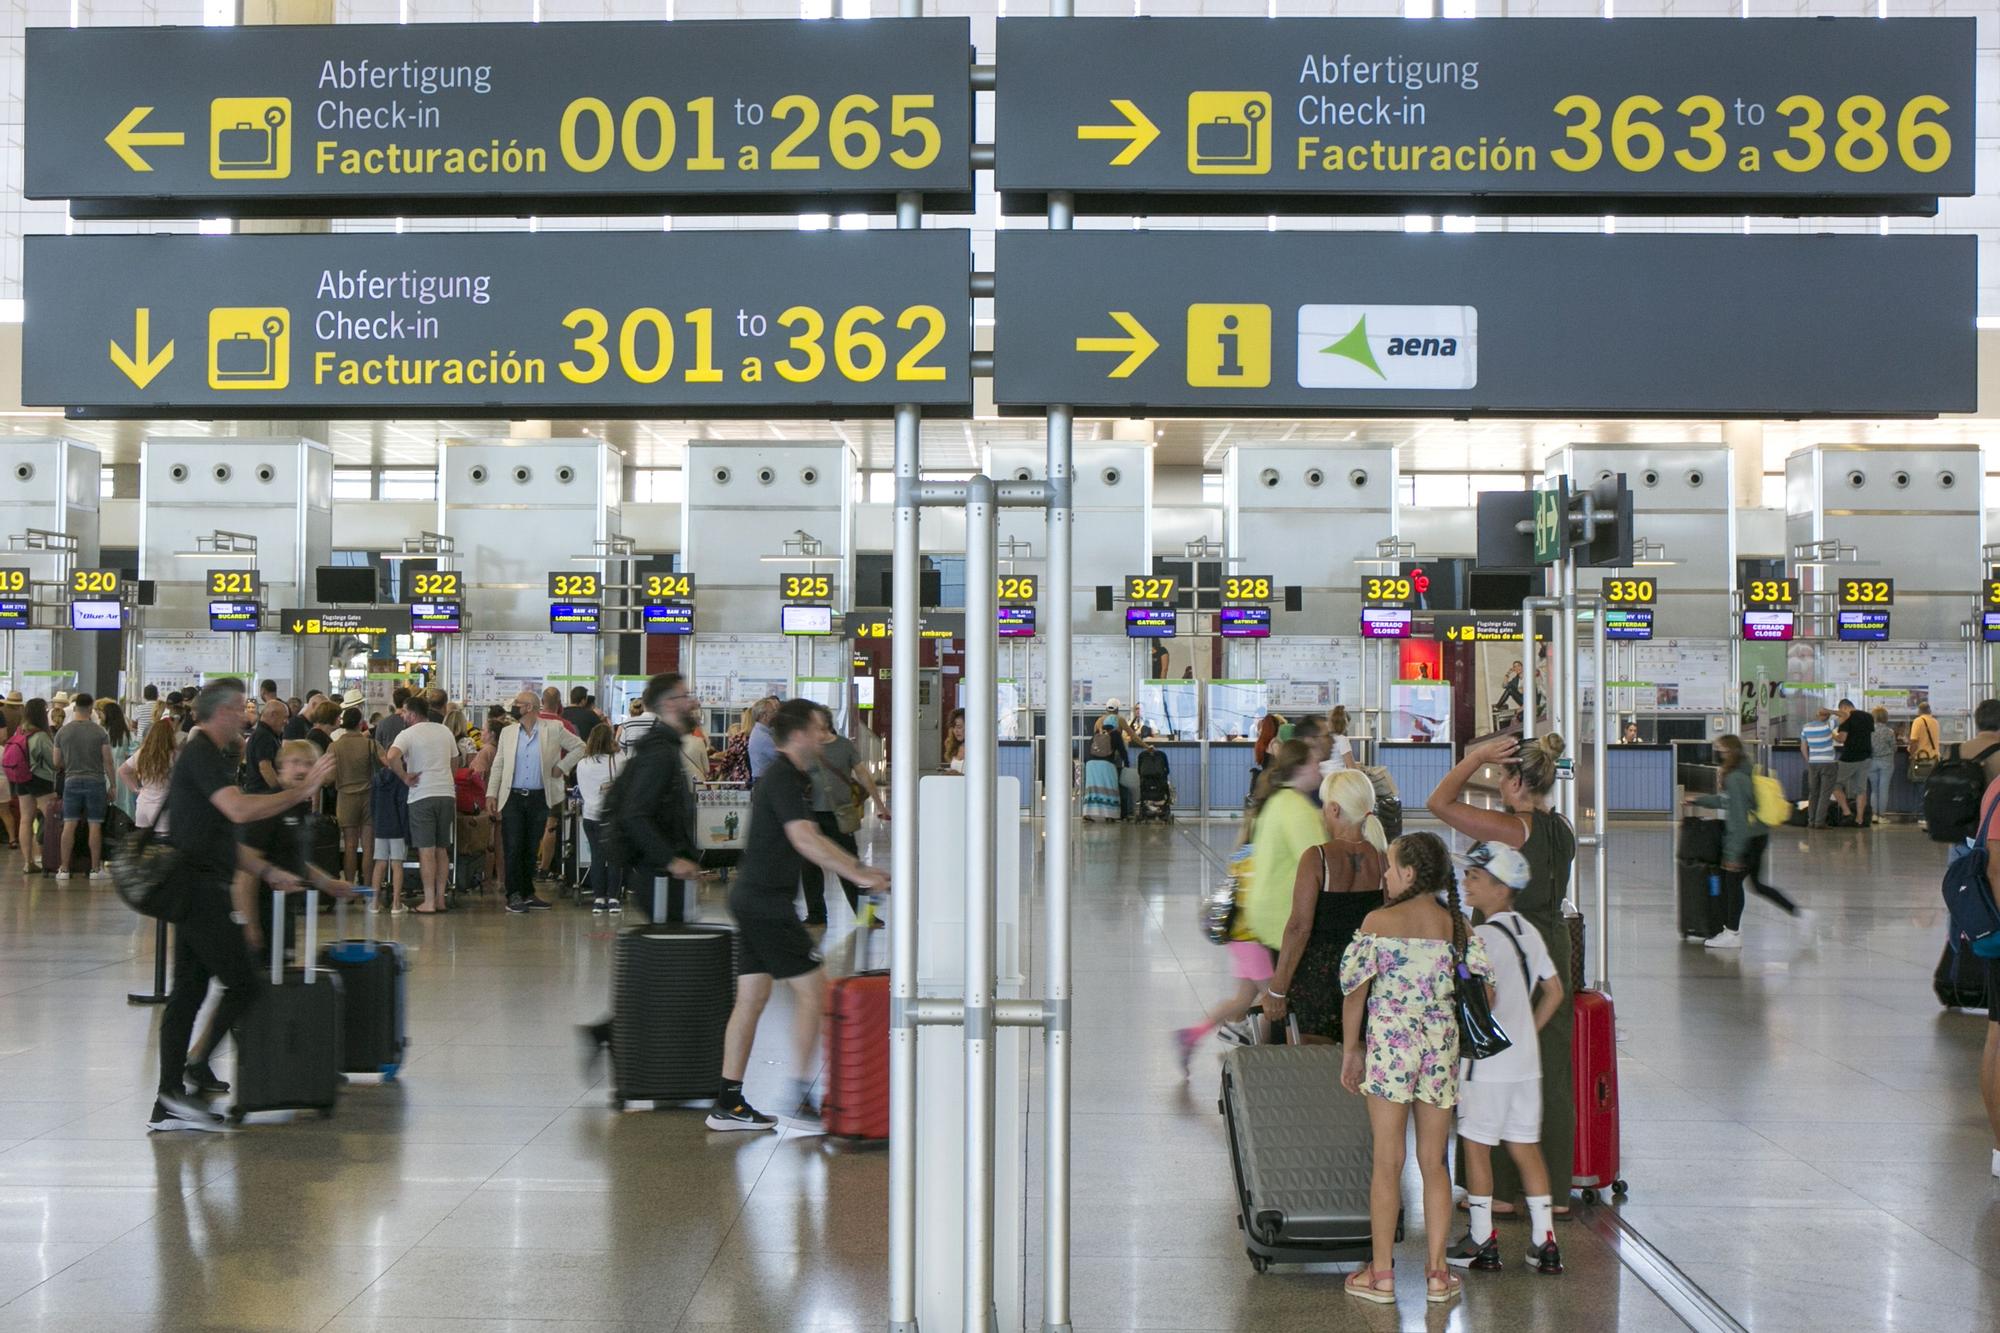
x=1392, y=346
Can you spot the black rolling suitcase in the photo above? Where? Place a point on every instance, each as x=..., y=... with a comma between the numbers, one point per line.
x=1302, y=1154
x=1960, y=981
x=374, y=999
x=675, y=985
x=1698, y=870
x=326, y=843
x=288, y=1044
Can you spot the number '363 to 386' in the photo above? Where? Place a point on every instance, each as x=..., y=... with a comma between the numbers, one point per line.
x=645, y=348
x=1861, y=135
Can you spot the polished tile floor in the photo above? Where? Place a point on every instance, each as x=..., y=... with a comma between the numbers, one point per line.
x=1801, y=1130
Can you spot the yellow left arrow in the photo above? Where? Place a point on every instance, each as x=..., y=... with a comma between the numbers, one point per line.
x=1138, y=132
x=139, y=366
x=1137, y=347
x=127, y=135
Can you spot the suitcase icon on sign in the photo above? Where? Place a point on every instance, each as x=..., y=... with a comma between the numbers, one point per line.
x=250, y=138
x=249, y=348
x=1229, y=134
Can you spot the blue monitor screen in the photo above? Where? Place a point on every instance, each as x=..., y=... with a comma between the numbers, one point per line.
x=1623, y=622
x=1244, y=622
x=233, y=618
x=1017, y=622
x=573, y=617
x=1863, y=626
x=13, y=615
x=668, y=618
x=1149, y=622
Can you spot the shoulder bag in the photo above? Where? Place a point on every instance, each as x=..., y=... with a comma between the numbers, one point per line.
x=1480, y=1035
x=142, y=870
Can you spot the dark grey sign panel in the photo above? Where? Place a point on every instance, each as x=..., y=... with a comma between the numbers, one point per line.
x=771, y=323
x=508, y=118
x=1321, y=115
x=1355, y=323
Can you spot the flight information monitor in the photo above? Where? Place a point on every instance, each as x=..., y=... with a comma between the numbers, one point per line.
x=1862, y=626
x=1385, y=622
x=573, y=617
x=806, y=620
x=1149, y=622
x=96, y=615
x=1628, y=622
x=1768, y=626
x=434, y=617
x=234, y=618
x=1017, y=622
x=14, y=614
x=1244, y=622
x=668, y=618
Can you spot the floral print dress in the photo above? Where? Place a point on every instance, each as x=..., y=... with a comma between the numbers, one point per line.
x=1412, y=1037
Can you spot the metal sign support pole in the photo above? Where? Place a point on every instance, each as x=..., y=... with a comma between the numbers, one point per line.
x=980, y=700
x=1600, y=800
x=1057, y=808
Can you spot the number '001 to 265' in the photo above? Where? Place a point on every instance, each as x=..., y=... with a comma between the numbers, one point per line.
x=645, y=134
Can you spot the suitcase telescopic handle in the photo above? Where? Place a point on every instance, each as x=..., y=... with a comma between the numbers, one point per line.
x=312, y=936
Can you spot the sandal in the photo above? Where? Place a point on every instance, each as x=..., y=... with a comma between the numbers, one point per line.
x=1452, y=1285
x=1370, y=1288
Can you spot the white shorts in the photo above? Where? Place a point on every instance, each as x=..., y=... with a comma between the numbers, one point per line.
x=1496, y=1113
x=389, y=849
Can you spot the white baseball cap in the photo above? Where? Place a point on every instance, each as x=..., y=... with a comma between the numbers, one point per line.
x=1500, y=861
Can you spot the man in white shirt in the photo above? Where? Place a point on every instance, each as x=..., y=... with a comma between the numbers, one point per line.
x=422, y=757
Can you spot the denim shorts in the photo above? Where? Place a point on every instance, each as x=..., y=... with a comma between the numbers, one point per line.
x=84, y=799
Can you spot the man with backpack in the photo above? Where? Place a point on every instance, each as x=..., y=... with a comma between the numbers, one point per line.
x=1956, y=786
x=650, y=809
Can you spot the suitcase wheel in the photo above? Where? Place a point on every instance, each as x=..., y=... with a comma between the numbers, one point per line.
x=1618, y=1189
x=617, y=1102
x=1258, y=1262
x=235, y=1116
x=389, y=1073
x=326, y=1113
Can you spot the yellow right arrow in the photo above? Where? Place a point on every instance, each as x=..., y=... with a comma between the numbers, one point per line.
x=1138, y=132
x=1137, y=347
x=140, y=367
x=126, y=136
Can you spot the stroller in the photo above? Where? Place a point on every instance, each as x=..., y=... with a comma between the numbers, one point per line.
x=1156, y=790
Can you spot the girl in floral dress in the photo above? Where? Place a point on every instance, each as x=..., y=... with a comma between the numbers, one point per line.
x=1398, y=979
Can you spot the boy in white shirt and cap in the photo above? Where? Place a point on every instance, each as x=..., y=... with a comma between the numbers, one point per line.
x=1500, y=1097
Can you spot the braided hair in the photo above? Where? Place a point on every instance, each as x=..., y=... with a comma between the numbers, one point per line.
x=1425, y=854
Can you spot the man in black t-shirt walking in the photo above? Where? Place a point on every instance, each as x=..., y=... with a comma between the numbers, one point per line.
x=772, y=942
x=204, y=806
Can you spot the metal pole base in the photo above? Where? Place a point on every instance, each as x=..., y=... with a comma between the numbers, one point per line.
x=158, y=995
x=1058, y=1328
x=133, y=997
x=902, y=1326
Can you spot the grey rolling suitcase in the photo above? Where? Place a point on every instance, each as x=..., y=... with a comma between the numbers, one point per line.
x=1302, y=1154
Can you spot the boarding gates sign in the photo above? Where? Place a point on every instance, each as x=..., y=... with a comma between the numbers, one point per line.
x=1523, y=115
x=499, y=324
x=514, y=119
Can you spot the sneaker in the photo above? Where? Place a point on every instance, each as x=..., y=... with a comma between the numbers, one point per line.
x=600, y=904
x=100, y=874
x=614, y=904
x=535, y=904
x=1548, y=1259
x=1727, y=939
x=203, y=1080
x=177, y=1111
x=1185, y=1041
x=517, y=906
x=805, y=1121
x=1469, y=1253
x=740, y=1116
x=62, y=874
x=1235, y=1034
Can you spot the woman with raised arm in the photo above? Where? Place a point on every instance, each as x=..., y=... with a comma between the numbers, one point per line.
x=1527, y=824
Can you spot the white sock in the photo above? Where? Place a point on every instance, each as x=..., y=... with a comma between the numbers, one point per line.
x=1481, y=1208
x=1996, y=1161
x=1541, y=1218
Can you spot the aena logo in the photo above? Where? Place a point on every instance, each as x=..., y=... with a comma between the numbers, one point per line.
x=1425, y=347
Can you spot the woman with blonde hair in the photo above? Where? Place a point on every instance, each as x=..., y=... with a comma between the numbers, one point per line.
x=1337, y=883
x=1527, y=824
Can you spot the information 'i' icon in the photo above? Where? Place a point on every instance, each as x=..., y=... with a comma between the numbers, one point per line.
x=1229, y=346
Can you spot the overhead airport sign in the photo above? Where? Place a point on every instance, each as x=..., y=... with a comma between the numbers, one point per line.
x=502, y=118
x=1235, y=324
x=1326, y=115
x=360, y=622
x=772, y=323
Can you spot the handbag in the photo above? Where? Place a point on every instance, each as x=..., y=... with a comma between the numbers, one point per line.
x=848, y=814
x=1221, y=906
x=142, y=870
x=1921, y=769
x=1480, y=1035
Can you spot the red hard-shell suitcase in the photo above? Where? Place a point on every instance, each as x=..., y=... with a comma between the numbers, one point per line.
x=1593, y=1051
x=856, y=1104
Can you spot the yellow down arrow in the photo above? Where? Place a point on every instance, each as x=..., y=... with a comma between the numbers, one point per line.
x=126, y=136
x=1137, y=348
x=140, y=367
x=1138, y=132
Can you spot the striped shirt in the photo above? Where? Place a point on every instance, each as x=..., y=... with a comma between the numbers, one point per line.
x=1818, y=737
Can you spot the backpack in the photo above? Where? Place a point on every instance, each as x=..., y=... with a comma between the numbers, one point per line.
x=1100, y=744
x=1968, y=900
x=1951, y=799
x=1771, y=807
x=469, y=791
x=14, y=759
x=1153, y=764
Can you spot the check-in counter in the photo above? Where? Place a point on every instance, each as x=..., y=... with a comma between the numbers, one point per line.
x=1017, y=760
x=1229, y=767
x=1417, y=767
x=1639, y=781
